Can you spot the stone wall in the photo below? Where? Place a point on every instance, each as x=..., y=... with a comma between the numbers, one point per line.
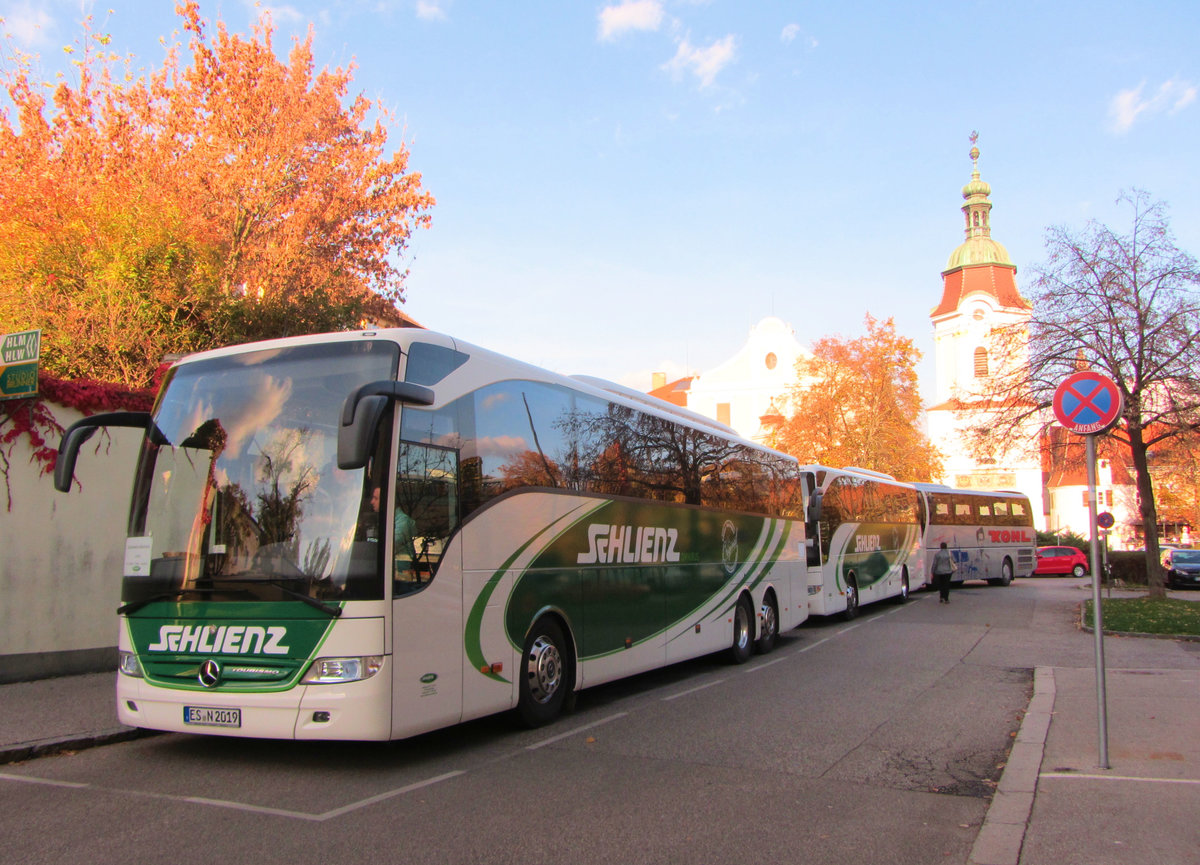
x=61, y=558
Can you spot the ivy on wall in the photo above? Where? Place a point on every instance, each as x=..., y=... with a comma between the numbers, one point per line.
x=33, y=420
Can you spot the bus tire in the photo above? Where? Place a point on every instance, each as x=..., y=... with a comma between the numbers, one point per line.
x=768, y=631
x=1006, y=574
x=544, y=676
x=903, y=596
x=851, y=598
x=743, y=631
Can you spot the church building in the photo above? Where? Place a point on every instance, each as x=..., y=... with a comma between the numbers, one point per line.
x=979, y=300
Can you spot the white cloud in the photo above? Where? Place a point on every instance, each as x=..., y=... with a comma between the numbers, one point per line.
x=432, y=10
x=789, y=33
x=280, y=14
x=28, y=24
x=704, y=63
x=630, y=15
x=1130, y=106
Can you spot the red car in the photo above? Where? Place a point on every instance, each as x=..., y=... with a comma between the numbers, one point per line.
x=1061, y=560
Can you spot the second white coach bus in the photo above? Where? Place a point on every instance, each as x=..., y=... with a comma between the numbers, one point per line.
x=866, y=540
x=371, y=535
x=989, y=533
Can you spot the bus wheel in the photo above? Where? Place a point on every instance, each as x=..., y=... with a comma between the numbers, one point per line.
x=851, y=598
x=544, y=679
x=903, y=596
x=743, y=631
x=1006, y=572
x=768, y=632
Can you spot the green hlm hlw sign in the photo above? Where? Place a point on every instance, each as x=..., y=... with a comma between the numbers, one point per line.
x=19, y=353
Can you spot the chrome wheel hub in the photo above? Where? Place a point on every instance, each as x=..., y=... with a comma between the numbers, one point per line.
x=543, y=670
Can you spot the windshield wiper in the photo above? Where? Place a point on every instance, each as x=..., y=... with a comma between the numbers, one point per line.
x=134, y=606
x=328, y=609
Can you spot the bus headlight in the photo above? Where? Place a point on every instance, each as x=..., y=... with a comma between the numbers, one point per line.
x=128, y=664
x=332, y=671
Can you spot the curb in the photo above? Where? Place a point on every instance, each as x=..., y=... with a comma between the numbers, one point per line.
x=47, y=747
x=1003, y=831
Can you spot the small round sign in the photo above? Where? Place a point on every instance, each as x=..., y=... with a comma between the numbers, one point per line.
x=1105, y=520
x=1087, y=403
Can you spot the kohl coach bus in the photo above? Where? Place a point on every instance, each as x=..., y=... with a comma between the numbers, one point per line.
x=989, y=533
x=371, y=535
x=866, y=536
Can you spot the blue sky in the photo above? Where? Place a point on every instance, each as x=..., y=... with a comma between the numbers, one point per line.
x=627, y=187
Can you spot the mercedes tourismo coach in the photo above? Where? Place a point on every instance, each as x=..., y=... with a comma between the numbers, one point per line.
x=866, y=540
x=370, y=535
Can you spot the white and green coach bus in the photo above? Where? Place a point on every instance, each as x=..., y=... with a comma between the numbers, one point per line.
x=866, y=533
x=370, y=535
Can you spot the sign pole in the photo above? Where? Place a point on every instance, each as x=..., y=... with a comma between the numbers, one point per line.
x=1097, y=615
x=1089, y=403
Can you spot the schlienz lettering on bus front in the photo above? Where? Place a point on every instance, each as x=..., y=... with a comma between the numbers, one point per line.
x=222, y=640
x=629, y=545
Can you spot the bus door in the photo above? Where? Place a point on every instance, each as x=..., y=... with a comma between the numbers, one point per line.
x=814, y=591
x=426, y=577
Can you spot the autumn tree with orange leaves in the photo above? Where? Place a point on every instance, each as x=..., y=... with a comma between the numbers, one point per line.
x=856, y=403
x=231, y=197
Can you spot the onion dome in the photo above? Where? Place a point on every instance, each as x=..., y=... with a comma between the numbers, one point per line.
x=978, y=248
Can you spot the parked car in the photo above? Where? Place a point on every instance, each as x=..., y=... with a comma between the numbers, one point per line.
x=1182, y=567
x=1061, y=560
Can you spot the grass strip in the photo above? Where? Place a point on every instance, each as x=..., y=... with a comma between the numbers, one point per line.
x=1165, y=616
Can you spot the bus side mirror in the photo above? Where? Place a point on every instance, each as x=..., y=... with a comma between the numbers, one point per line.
x=354, y=440
x=82, y=430
x=814, y=512
x=814, y=508
x=362, y=412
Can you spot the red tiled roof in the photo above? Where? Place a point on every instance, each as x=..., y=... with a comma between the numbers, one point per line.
x=675, y=392
x=997, y=280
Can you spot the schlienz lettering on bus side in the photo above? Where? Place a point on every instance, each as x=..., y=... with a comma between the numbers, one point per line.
x=630, y=545
x=222, y=640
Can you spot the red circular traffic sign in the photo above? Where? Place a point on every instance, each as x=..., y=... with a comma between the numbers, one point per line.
x=1087, y=403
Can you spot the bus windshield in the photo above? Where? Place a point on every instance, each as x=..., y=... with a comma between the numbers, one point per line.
x=237, y=493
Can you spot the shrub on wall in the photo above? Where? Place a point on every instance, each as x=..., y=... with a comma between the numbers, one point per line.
x=31, y=419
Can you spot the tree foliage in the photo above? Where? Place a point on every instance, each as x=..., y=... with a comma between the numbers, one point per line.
x=231, y=197
x=856, y=403
x=1127, y=305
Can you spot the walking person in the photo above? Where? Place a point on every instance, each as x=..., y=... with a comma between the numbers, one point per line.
x=943, y=568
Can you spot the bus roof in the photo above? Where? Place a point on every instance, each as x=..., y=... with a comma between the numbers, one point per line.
x=507, y=368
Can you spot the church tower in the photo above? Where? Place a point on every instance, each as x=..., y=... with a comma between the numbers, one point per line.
x=979, y=301
x=979, y=295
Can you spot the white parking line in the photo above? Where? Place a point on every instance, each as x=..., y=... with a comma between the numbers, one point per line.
x=46, y=781
x=399, y=791
x=569, y=733
x=1119, y=778
x=814, y=645
x=245, y=806
x=692, y=690
x=758, y=667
